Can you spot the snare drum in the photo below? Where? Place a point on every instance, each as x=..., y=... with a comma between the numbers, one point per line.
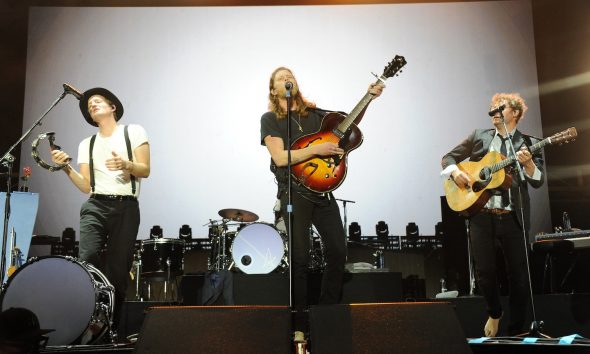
x=162, y=257
x=70, y=296
x=258, y=248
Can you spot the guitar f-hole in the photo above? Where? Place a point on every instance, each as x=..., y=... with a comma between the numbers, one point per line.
x=304, y=176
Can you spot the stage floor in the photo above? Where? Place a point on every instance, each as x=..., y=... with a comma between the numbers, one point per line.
x=564, y=315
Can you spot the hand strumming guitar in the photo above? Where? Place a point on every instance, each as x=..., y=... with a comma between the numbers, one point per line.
x=327, y=149
x=462, y=179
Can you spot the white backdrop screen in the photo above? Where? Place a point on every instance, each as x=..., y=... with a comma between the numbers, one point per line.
x=196, y=79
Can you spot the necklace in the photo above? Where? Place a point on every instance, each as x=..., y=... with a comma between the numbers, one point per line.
x=298, y=122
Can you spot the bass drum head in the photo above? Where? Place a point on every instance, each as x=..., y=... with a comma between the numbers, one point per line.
x=258, y=249
x=59, y=291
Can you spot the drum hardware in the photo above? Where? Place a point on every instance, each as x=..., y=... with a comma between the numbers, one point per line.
x=136, y=274
x=316, y=251
x=378, y=259
x=219, y=257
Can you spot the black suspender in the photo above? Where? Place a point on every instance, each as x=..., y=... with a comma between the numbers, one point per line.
x=91, y=163
x=129, y=155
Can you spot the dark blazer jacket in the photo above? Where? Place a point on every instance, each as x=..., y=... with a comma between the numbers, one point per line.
x=474, y=148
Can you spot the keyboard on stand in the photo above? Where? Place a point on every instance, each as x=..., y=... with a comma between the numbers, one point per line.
x=579, y=238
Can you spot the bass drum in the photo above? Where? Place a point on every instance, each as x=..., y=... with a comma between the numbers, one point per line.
x=258, y=248
x=69, y=296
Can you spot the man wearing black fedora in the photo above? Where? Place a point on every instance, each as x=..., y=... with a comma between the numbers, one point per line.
x=112, y=164
x=20, y=332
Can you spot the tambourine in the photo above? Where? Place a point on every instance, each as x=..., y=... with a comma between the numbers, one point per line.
x=50, y=136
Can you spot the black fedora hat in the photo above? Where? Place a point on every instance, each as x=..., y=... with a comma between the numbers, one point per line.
x=104, y=93
x=20, y=324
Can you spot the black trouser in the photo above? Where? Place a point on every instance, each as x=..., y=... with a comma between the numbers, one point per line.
x=325, y=215
x=487, y=231
x=114, y=223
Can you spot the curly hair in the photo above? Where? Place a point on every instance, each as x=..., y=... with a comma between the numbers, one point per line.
x=512, y=100
x=273, y=99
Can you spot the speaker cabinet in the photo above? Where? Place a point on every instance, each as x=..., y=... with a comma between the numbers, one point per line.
x=226, y=329
x=417, y=328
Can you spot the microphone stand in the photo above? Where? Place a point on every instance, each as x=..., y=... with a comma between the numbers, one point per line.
x=289, y=201
x=7, y=160
x=344, y=201
x=536, y=326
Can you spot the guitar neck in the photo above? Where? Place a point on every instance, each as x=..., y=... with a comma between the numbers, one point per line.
x=508, y=161
x=351, y=117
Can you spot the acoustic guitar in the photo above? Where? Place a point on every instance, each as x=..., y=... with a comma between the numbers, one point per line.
x=326, y=173
x=490, y=173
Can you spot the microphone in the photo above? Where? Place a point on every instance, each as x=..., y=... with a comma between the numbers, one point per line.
x=70, y=89
x=288, y=85
x=498, y=109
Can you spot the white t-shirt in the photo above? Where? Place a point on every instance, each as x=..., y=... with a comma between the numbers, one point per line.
x=112, y=182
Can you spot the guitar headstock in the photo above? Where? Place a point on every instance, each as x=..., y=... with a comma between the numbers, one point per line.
x=565, y=136
x=394, y=66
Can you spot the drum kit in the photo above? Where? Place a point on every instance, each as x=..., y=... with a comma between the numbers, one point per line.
x=253, y=247
x=77, y=300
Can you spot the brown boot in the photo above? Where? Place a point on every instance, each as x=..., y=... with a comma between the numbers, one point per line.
x=300, y=342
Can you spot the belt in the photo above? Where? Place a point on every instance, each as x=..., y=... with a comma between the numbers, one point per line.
x=496, y=211
x=113, y=197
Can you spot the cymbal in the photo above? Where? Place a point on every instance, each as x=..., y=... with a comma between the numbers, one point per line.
x=238, y=215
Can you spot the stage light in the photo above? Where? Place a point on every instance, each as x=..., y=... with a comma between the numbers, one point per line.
x=68, y=241
x=412, y=232
x=156, y=232
x=382, y=230
x=185, y=233
x=354, y=232
x=438, y=230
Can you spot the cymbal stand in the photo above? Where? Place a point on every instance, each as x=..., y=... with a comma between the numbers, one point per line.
x=138, y=268
x=344, y=201
x=167, y=280
x=219, y=254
